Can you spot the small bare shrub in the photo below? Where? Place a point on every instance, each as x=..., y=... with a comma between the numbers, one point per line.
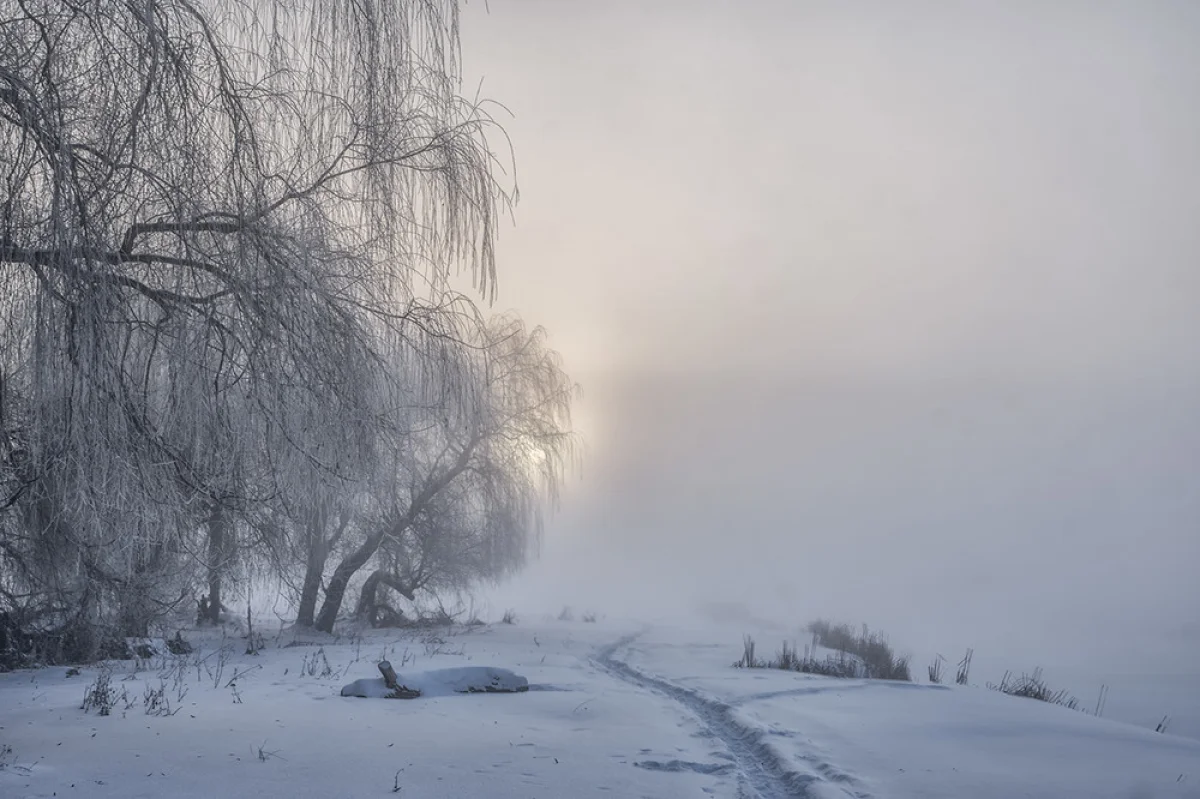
x=436, y=645
x=787, y=659
x=156, y=702
x=175, y=671
x=264, y=755
x=838, y=666
x=255, y=643
x=896, y=669
x=316, y=665
x=872, y=649
x=935, y=670
x=566, y=614
x=831, y=636
x=1101, y=701
x=964, y=668
x=102, y=696
x=748, y=660
x=589, y=618
x=509, y=617
x=1032, y=686
x=842, y=664
x=240, y=673
x=217, y=670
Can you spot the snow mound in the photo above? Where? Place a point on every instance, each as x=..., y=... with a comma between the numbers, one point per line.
x=444, y=682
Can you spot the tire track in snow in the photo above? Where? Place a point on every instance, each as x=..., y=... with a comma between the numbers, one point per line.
x=766, y=773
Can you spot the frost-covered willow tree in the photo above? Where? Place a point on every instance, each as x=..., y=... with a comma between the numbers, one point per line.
x=410, y=380
x=457, y=498
x=217, y=217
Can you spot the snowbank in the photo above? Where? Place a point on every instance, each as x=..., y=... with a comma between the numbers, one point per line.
x=444, y=682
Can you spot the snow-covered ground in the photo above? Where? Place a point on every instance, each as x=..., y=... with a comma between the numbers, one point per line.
x=613, y=710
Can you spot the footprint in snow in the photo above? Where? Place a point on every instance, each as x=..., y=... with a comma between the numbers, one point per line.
x=677, y=766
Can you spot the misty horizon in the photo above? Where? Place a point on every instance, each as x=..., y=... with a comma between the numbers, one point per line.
x=899, y=299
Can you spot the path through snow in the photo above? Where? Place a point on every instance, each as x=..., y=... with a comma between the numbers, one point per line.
x=763, y=772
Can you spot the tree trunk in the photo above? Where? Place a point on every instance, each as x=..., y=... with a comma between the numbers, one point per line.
x=135, y=595
x=135, y=622
x=307, y=611
x=135, y=607
x=218, y=546
x=318, y=553
x=368, y=599
x=335, y=591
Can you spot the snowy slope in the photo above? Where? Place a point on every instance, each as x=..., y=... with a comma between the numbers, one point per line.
x=613, y=710
x=878, y=738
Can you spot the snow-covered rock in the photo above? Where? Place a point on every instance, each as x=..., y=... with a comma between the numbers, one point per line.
x=443, y=682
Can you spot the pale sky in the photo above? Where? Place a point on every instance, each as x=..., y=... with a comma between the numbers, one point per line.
x=885, y=311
